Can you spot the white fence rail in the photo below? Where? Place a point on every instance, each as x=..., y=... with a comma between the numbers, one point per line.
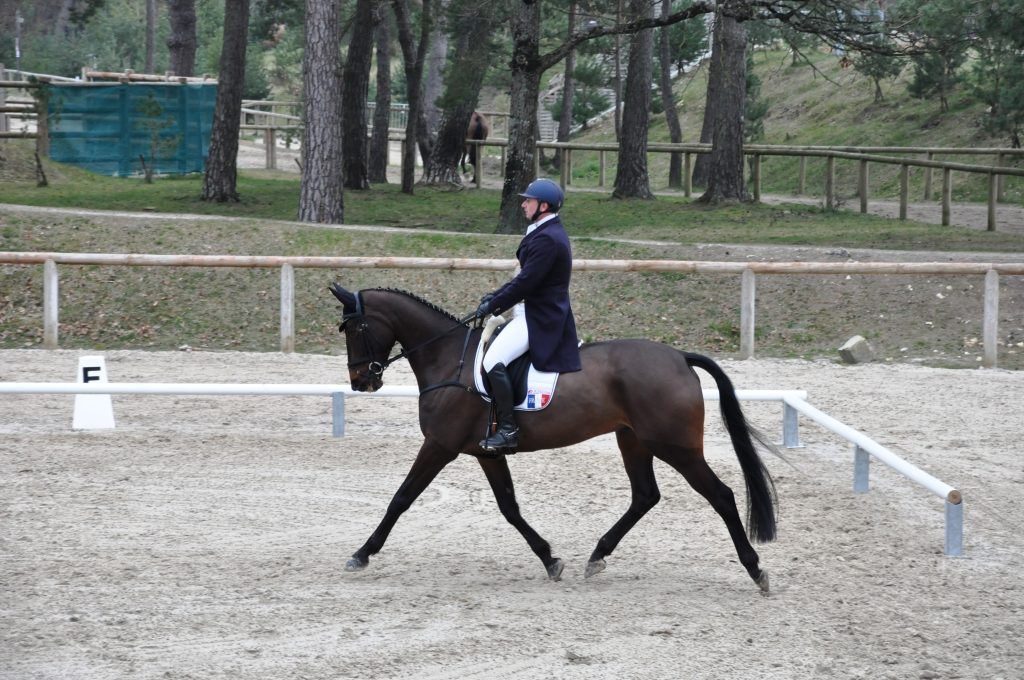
x=746, y=270
x=793, y=401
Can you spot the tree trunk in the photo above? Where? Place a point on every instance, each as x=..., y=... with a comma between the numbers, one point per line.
x=522, y=122
x=220, y=180
x=468, y=66
x=725, y=181
x=442, y=167
x=321, y=196
x=618, y=72
x=702, y=166
x=414, y=57
x=434, y=71
x=568, y=86
x=150, y=35
x=182, y=40
x=631, y=178
x=355, y=86
x=379, y=145
x=668, y=101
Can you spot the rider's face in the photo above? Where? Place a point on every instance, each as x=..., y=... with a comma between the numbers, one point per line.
x=530, y=206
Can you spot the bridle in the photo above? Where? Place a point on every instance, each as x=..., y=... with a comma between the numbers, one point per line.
x=376, y=367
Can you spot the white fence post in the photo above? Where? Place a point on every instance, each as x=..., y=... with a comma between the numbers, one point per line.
x=51, y=304
x=861, y=470
x=790, y=427
x=747, y=291
x=287, y=308
x=338, y=414
x=954, y=529
x=990, y=320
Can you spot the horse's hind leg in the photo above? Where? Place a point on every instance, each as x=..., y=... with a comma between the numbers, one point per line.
x=691, y=464
x=430, y=461
x=639, y=464
x=500, y=479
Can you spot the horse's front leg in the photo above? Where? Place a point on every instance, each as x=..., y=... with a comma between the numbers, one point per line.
x=500, y=479
x=431, y=459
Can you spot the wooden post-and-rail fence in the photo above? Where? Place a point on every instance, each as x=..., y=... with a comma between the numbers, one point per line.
x=863, y=155
x=269, y=122
x=747, y=271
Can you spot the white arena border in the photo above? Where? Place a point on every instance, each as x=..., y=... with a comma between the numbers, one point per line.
x=794, y=402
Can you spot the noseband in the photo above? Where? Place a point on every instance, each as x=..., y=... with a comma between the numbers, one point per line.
x=375, y=367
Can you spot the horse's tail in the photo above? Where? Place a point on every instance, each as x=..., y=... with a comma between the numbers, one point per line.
x=762, y=501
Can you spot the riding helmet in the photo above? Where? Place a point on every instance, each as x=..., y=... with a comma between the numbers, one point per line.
x=546, y=191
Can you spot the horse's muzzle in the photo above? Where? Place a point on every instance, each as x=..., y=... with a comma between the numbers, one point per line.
x=363, y=381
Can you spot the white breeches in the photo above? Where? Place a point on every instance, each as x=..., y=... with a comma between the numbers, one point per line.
x=510, y=344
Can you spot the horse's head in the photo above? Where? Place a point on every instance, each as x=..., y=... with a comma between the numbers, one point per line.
x=368, y=342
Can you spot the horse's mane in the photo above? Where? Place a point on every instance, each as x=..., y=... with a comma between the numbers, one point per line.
x=418, y=299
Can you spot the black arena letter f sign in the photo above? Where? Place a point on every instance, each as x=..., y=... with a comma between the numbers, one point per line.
x=89, y=373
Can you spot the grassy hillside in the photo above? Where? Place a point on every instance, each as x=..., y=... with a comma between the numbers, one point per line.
x=822, y=103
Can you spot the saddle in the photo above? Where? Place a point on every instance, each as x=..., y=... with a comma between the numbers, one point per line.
x=533, y=389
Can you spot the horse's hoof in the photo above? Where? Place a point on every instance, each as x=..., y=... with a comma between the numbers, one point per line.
x=594, y=567
x=356, y=564
x=762, y=582
x=555, y=570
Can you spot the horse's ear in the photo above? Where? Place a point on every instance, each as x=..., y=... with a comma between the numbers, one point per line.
x=346, y=298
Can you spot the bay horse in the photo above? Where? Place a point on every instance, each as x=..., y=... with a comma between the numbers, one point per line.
x=647, y=393
x=479, y=129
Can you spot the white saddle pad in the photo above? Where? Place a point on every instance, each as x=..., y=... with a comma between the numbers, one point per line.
x=540, y=384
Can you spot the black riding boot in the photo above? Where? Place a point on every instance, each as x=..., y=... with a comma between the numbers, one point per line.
x=507, y=436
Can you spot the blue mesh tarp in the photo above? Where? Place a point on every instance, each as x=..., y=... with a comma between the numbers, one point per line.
x=106, y=128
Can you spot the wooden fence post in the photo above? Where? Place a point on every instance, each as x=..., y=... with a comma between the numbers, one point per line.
x=3, y=103
x=287, y=308
x=947, y=194
x=801, y=186
x=756, y=172
x=51, y=304
x=990, y=320
x=993, y=193
x=270, y=145
x=401, y=165
x=862, y=185
x=478, y=174
x=600, y=172
x=928, y=179
x=687, y=174
x=747, y=291
x=904, y=189
x=830, y=181
x=1000, y=194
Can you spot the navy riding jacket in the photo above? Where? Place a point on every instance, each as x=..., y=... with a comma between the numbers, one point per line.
x=545, y=258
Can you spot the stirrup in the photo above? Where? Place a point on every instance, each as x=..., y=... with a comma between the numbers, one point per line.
x=502, y=439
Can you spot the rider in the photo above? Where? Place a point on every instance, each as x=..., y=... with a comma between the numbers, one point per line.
x=547, y=328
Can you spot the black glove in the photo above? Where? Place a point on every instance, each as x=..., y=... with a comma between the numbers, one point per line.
x=485, y=306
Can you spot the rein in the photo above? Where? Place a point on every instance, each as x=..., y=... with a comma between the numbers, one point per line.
x=377, y=367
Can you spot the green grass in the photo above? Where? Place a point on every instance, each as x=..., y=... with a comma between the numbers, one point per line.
x=589, y=214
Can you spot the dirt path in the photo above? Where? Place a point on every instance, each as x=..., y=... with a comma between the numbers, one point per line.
x=205, y=538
